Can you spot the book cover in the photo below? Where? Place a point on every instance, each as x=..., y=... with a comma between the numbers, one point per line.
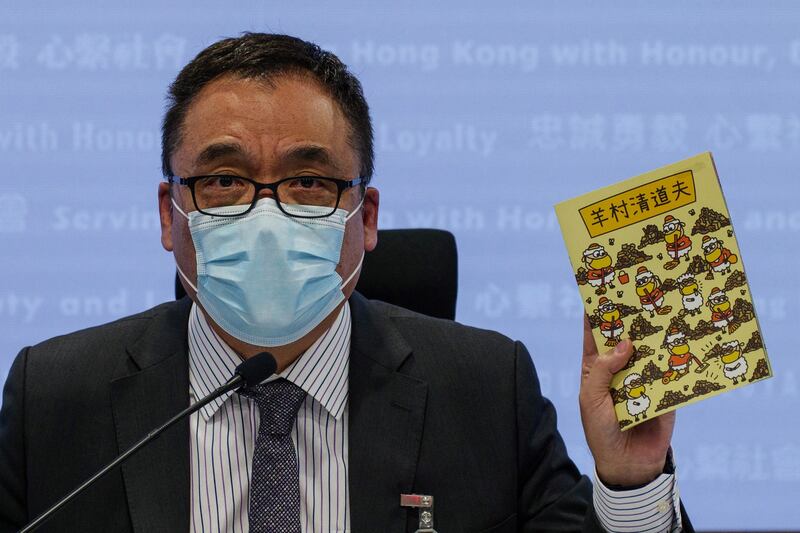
x=656, y=260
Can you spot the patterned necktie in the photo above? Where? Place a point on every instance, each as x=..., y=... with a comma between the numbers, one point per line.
x=275, y=485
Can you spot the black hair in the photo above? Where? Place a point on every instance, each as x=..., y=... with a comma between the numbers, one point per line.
x=265, y=56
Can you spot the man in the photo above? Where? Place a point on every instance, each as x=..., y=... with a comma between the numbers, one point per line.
x=267, y=149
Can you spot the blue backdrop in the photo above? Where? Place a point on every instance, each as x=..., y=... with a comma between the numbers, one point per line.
x=485, y=117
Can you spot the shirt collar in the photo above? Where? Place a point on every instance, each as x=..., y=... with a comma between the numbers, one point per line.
x=321, y=371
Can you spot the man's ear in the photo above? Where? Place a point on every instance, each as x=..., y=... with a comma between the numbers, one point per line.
x=369, y=217
x=165, y=213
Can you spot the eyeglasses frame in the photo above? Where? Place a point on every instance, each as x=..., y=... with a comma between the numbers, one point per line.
x=191, y=181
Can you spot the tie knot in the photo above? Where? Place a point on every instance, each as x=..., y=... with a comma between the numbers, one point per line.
x=278, y=402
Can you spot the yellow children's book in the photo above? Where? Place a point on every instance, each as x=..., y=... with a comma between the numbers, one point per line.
x=656, y=260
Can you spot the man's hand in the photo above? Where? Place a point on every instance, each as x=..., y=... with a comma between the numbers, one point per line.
x=636, y=456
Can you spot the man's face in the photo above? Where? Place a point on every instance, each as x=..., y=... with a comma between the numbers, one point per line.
x=247, y=128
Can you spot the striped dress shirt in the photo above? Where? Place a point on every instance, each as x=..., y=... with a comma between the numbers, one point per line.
x=223, y=432
x=654, y=508
x=223, y=437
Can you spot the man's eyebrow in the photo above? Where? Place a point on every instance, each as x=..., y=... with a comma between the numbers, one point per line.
x=216, y=151
x=311, y=153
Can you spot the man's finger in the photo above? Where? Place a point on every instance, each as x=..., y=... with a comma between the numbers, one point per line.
x=589, y=349
x=605, y=366
x=589, y=346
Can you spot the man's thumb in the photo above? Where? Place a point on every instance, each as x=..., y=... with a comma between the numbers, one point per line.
x=606, y=365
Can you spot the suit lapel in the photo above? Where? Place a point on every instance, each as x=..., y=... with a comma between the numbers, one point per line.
x=387, y=412
x=153, y=388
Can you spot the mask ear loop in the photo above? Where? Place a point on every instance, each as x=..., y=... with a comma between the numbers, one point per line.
x=176, y=206
x=185, y=278
x=354, y=211
x=355, y=271
x=361, y=261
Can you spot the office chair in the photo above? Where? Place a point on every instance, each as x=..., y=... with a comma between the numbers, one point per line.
x=412, y=268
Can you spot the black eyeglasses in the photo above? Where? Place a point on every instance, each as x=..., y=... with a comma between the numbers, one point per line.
x=293, y=195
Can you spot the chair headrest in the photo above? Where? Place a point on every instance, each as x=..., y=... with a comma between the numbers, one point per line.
x=413, y=268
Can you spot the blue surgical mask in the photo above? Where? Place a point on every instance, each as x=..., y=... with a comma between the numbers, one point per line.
x=267, y=278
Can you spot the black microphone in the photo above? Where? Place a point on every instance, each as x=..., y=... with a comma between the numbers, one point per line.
x=250, y=373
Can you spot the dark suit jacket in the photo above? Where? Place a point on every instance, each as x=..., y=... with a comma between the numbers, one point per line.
x=435, y=408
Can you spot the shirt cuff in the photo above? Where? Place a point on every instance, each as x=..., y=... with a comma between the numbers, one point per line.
x=652, y=508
